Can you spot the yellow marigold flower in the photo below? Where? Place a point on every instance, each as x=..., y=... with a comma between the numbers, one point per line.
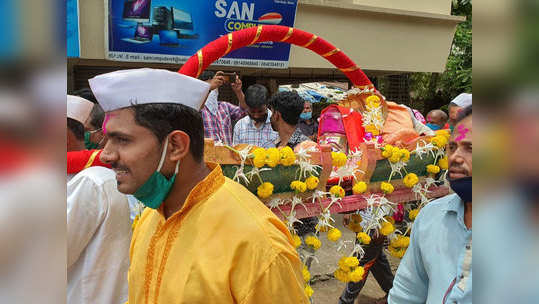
x=338, y=191
x=334, y=234
x=372, y=102
x=308, y=291
x=413, y=214
x=272, y=157
x=306, y=274
x=410, y=180
x=351, y=262
x=359, y=187
x=341, y=275
x=313, y=241
x=259, y=159
x=364, y=238
x=443, y=163
x=338, y=158
x=265, y=190
x=443, y=132
x=298, y=186
x=387, y=187
x=356, y=275
x=312, y=182
x=433, y=169
x=439, y=141
x=387, y=228
x=356, y=227
x=396, y=155
x=287, y=156
x=400, y=242
x=387, y=151
x=405, y=155
x=297, y=240
x=372, y=129
x=342, y=264
x=397, y=252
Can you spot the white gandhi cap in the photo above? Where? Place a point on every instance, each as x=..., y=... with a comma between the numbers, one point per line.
x=79, y=108
x=125, y=88
x=463, y=100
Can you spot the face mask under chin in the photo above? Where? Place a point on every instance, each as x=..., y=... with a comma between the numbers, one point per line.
x=155, y=190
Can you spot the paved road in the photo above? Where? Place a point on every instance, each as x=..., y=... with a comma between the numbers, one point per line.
x=326, y=288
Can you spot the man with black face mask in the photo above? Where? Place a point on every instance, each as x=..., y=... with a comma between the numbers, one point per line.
x=255, y=129
x=437, y=267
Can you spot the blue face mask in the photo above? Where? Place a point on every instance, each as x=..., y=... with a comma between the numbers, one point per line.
x=154, y=191
x=433, y=126
x=306, y=115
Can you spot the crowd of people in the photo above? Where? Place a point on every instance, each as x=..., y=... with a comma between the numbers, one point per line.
x=149, y=127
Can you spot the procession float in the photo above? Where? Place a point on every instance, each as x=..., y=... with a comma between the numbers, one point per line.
x=383, y=177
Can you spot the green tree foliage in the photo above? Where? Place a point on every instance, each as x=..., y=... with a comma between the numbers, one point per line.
x=435, y=90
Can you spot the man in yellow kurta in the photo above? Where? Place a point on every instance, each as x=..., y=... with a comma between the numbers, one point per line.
x=204, y=238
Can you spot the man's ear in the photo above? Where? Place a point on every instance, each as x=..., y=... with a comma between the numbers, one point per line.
x=180, y=143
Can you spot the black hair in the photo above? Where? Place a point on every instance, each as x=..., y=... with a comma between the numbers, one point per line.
x=206, y=75
x=97, y=116
x=87, y=94
x=256, y=96
x=163, y=118
x=289, y=104
x=76, y=127
x=464, y=113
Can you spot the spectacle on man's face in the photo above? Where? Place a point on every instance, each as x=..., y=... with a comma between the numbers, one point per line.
x=133, y=151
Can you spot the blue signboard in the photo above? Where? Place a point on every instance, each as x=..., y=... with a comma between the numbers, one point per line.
x=72, y=28
x=170, y=31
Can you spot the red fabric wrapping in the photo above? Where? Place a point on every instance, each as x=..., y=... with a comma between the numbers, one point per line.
x=353, y=126
x=77, y=160
x=217, y=48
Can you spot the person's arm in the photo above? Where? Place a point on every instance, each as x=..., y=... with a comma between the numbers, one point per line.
x=411, y=282
x=215, y=83
x=236, y=87
x=281, y=282
x=85, y=212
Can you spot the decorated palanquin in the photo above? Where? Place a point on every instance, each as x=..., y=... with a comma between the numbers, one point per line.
x=369, y=160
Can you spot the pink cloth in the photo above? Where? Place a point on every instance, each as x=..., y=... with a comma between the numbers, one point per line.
x=419, y=116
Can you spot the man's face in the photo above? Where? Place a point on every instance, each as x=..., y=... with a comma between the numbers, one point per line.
x=460, y=150
x=258, y=114
x=133, y=151
x=453, y=114
x=307, y=107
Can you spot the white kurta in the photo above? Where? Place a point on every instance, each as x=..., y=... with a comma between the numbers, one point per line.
x=98, y=238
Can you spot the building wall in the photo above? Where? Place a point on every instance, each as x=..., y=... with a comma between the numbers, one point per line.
x=379, y=35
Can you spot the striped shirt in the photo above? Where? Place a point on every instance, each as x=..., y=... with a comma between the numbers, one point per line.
x=245, y=132
x=218, y=124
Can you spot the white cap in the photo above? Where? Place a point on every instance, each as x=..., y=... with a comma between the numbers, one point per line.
x=79, y=108
x=125, y=88
x=463, y=100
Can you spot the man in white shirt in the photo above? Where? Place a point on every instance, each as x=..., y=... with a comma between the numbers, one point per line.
x=255, y=128
x=98, y=234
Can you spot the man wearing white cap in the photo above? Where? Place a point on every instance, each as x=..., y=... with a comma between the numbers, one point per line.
x=460, y=102
x=98, y=225
x=78, y=111
x=203, y=237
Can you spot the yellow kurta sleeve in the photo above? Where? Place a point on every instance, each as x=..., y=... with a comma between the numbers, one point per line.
x=281, y=282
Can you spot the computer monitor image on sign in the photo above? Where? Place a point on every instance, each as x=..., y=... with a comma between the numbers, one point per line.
x=138, y=11
x=182, y=22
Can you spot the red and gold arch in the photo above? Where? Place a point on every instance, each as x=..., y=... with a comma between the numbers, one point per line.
x=276, y=33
